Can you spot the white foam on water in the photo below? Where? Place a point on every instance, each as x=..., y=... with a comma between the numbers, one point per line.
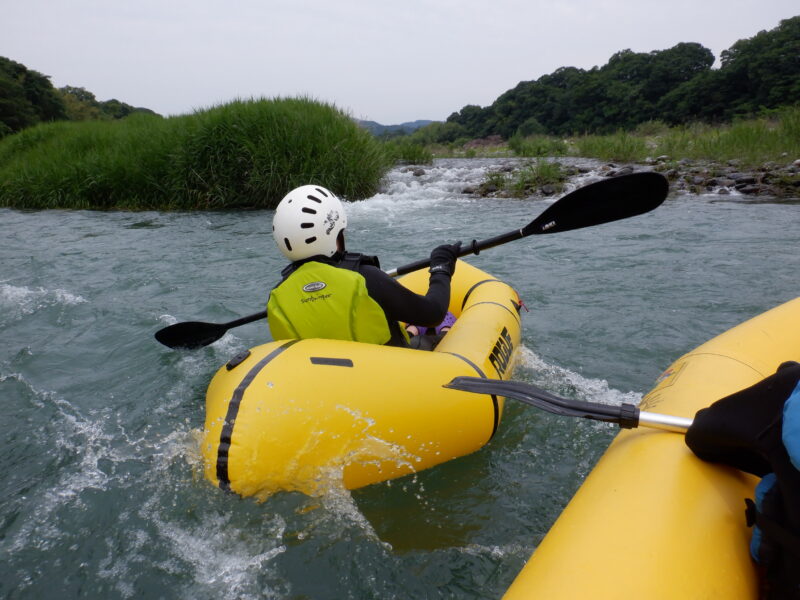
x=16, y=301
x=168, y=319
x=77, y=436
x=594, y=390
x=495, y=551
x=223, y=558
x=443, y=183
x=341, y=511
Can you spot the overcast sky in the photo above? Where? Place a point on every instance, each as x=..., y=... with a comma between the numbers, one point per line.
x=384, y=61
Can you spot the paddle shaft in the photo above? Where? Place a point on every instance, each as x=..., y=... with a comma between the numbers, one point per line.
x=245, y=320
x=664, y=422
x=473, y=247
x=625, y=415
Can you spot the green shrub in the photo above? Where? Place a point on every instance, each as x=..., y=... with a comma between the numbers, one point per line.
x=534, y=175
x=526, y=180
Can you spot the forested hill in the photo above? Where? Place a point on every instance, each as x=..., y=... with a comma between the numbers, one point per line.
x=677, y=85
x=27, y=97
x=388, y=131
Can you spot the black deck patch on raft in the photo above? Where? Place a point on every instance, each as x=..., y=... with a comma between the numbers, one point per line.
x=495, y=404
x=332, y=362
x=233, y=411
x=237, y=360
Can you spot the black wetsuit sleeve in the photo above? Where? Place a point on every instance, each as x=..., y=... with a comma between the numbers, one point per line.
x=401, y=304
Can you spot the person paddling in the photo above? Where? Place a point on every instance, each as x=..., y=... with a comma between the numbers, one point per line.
x=757, y=430
x=327, y=292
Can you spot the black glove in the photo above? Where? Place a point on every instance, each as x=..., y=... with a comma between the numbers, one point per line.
x=443, y=258
x=743, y=429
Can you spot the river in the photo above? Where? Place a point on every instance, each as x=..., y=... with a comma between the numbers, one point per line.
x=103, y=496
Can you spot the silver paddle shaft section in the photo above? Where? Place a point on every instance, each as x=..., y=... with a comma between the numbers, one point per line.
x=664, y=422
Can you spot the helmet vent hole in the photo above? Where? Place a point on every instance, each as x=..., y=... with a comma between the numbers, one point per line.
x=310, y=211
x=321, y=191
x=306, y=225
x=311, y=240
x=317, y=200
x=288, y=245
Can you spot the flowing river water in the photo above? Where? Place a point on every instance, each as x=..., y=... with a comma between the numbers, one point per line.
x=102, y=494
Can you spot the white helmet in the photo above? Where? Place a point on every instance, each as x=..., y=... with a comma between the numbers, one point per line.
x=307, y=222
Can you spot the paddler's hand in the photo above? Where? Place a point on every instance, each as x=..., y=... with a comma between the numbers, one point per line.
x=742, y=430
x=443, y=258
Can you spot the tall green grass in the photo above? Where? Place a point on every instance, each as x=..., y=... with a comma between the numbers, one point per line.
x=408, y=151
x=773, y=137
x=753, y=141
x=241, y=154
x=537, y=146
x=621, y=146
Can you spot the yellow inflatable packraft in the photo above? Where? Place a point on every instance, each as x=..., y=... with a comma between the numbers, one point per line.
x=306, y=415
x=651, y=520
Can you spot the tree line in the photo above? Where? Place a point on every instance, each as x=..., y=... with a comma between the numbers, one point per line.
x=27, y=97
x=676, y=86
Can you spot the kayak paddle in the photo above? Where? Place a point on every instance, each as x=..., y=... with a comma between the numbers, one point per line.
x=625, y=415
x=604, y=201
x=600, y=202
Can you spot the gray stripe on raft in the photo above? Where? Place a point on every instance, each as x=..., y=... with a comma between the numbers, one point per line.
x=472, y=289
x=495, y=404
x=233, y=411
x=513, y=313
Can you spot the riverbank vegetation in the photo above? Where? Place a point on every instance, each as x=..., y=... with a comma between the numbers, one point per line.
x=245, y=154
x=772, y=137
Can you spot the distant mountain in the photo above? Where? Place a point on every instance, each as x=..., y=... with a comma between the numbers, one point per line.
x=377, y=129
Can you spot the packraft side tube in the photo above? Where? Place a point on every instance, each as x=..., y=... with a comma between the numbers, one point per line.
x=652, y=520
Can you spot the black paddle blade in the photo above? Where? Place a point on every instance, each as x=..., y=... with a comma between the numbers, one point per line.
x=625, y=415
x=196, y=334
x=604, y=201
x=190, y=334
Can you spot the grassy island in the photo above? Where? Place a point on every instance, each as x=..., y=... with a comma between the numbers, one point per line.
x=245, y=154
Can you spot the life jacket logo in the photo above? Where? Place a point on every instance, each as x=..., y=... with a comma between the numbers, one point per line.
x=314, y=286
x=502, y=351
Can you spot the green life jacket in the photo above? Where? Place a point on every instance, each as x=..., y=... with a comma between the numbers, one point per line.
x=320, y=300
